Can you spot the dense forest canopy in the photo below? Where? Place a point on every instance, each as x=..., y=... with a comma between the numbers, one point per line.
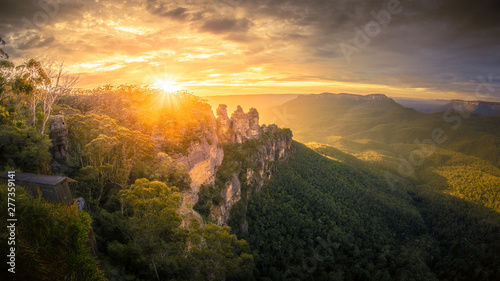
x=319, y=219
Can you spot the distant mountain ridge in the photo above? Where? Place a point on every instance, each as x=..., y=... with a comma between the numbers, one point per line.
x=482, y=108
x=346, y=96
x=377, y=117
x=462, y=161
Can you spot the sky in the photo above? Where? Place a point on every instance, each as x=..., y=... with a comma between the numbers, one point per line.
x=409, y=48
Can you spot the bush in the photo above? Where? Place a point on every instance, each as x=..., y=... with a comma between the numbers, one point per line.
x=52, y=241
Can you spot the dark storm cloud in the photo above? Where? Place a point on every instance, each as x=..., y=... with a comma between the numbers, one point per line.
x=222, y=26
x=12, y=11
x=36, y=42
x=331, y=14
x=429, y=38
x=177, y=13
x=35, y=14
x=162, y=9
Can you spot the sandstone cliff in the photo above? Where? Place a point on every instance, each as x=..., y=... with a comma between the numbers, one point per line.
x=211, y=160
x=201, y=160
x=224, y=130
x=250, y=169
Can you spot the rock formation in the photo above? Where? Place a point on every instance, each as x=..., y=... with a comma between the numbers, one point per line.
x=60, y=145
x=240, y=126
x=59, y=136
x=205, y=155
x=202, y=159
x=230, y=195
x=253, y=124
x=244, y=126
x=263, y=160
x=224, y=130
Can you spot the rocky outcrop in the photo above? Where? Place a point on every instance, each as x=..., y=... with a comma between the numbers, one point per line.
x=201, y=160
x=253, y=124
x=481, y=108
x=224, y=130
x=205, y=155
x=230, y=195
x=240, y=125
x=257, y=167
x=240, y=128
x=59, y=136
x=60, y=145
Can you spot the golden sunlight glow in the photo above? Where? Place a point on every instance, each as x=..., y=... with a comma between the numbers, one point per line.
x=168, y=86
x=167, y=97
x=164, y=80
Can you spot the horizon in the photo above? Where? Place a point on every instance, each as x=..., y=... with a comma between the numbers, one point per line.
x=391, y=97
x=429, y=49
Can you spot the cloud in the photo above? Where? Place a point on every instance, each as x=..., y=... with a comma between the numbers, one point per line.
x=178, y=13
x=36, y=14
x=36, y=42
x=425, y=45
x=162, y=9
x=221, y=26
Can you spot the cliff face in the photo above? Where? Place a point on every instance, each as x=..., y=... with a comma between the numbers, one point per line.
x=202, y=159
x=215, y=144
x=230, y=195
x=252, y=170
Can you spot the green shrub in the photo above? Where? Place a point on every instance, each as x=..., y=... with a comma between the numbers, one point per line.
x=52, y=240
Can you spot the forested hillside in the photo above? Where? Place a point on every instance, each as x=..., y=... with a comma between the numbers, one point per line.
x=320, y=118
x=455, y=152
x=132, y=194
x=319, y=219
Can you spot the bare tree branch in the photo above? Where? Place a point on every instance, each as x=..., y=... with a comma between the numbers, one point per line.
x=60, y=84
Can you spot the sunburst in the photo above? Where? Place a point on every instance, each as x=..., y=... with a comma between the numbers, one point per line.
x=168, y=86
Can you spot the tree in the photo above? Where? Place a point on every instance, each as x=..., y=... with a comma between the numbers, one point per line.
x=24, y=148
x=114, y=151
x=53, y=241
x=165, y=169
x=31, y=79
x=6, y=68
x=153, y=217
x=215, y=253
x=60, y=83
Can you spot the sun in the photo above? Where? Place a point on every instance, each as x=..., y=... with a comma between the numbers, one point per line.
x=167, y=97
x=168, y=86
